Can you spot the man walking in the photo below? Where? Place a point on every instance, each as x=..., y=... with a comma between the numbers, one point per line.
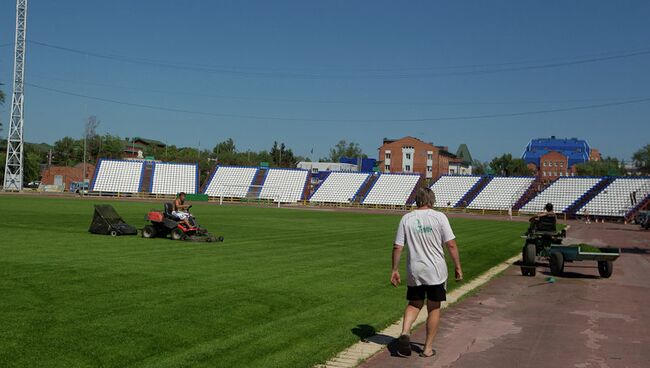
x=424, y=231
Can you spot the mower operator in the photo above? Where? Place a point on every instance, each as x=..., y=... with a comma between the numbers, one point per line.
x=180, y=209
x=548, y=214
x=424, y=232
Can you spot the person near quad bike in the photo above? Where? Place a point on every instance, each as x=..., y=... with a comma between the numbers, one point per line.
x=181, y=209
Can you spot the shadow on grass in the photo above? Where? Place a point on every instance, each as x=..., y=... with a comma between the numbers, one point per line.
x=367, y=333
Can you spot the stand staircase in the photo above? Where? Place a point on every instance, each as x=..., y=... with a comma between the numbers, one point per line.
x=533, y=190
x=573, y=209
x=644, y=205
x=147, y=175
x=473, y=192
x=365, y=188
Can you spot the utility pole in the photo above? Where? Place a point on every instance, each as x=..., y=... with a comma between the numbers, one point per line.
x=13, y=180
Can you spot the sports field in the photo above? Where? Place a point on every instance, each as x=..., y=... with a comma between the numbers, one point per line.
x=287, y=288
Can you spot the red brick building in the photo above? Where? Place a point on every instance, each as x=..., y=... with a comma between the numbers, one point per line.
x=552, y=166
x=411, y=155
x=65, y=175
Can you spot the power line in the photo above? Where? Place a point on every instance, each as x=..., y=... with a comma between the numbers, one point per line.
x=338, y=102
x=239, y=71
x=309, y=119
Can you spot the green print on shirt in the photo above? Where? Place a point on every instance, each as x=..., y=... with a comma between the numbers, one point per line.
x=423, y=229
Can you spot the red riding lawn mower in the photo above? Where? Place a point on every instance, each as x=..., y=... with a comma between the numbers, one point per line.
x=166, y=223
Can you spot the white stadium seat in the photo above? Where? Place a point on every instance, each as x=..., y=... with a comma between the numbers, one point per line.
x=118, y=176
x=339, y=187
x=284, y=185
x=451, y=188
x=562, y=193
x=173, y=178
x=501, y=193
x=232, y=182
x=615, y=199
x=392, y=189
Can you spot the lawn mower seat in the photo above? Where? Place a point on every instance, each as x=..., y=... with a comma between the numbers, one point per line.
x=169, y=212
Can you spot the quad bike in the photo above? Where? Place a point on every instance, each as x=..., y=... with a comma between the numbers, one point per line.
x=165, y=224
x=544, y=241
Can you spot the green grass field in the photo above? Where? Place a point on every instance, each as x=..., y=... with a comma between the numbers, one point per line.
x=286, y=289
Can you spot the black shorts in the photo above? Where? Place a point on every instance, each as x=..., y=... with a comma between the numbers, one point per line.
x=434, y=293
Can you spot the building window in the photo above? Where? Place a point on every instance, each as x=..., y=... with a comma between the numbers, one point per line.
x=544, y=172
x=387, y=167
x=429, y=156
x=429, y=169
x=544, y=163
x=408, y=168
x=314, y=170
x=387, y=155
x=561, y=164
x=408, y=156
x=555, y=163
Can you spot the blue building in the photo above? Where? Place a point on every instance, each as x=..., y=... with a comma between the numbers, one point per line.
x=554, y=157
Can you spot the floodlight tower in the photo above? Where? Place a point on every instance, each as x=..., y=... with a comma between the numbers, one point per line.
x=13, y=180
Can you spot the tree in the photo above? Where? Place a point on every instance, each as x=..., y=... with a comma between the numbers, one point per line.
x=505, y=165
x=111, y=146
x=641, y=159
x=479, y=168
x=345, y=149
x=67, y=151
x=2, y=101
x=93, y=142
x=32, y=167
x=281, y=156
x=3, y=160
x=608, y=166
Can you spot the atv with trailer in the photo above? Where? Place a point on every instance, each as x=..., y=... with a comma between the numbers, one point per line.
x=164, y=224
x=543, y=240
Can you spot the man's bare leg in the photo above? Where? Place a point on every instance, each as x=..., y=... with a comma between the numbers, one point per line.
x=432, y=325
x=410, y=314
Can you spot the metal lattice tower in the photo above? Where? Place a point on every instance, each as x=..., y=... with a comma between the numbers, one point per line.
x=13, y=180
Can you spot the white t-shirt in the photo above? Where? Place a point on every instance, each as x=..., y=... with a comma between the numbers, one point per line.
x=424, y=232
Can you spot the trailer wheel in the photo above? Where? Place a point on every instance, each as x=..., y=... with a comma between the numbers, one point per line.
x=148, y=232
x=113, y=233
x=177, y=234
x=528, y=259
x=605, y=268
x=557, y=263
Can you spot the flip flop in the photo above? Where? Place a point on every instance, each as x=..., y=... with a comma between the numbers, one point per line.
x=404, y=346
x=422, y=355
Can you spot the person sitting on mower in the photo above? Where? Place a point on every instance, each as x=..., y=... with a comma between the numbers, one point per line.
x=548, y=218
x=180, y=209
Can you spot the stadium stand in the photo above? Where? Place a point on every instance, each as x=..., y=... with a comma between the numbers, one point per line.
x=284, y=185
x=616, y=199
x=562, y=193
x=392, y=189
x=173, y=178
x=117, y=176
x=230, y=181
x=339, y=187
x=449, y=189
x=501, y=193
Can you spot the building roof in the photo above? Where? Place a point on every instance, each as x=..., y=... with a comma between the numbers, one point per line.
x=149, y=142
x=576, y=150
x=389, y=141
x=463, y=153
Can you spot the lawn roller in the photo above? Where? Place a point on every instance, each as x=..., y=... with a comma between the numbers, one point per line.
x=165, y=224
x=543, y=240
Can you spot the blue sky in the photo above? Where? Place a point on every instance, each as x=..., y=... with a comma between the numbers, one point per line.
x=333, y=70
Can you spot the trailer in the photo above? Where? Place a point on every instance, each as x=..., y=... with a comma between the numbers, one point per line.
x=548, y=246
